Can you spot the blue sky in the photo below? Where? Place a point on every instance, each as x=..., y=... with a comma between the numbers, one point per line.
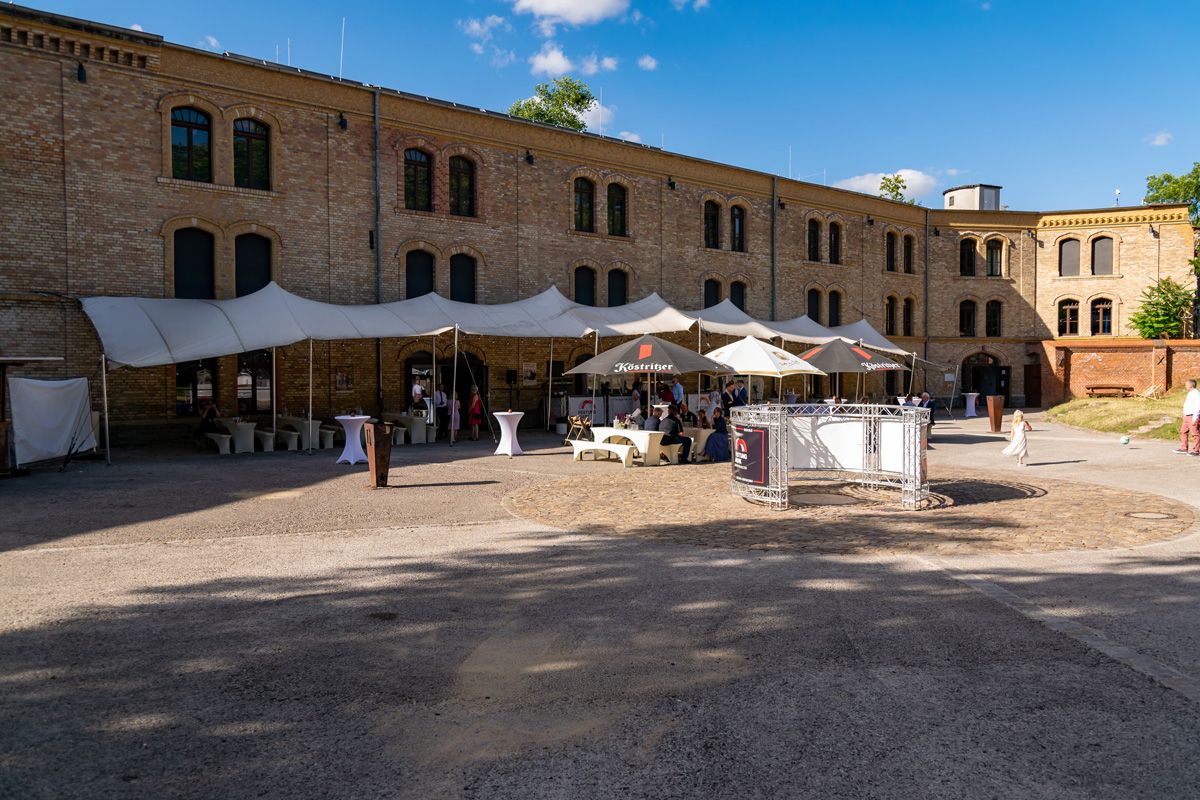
x=1061, y=102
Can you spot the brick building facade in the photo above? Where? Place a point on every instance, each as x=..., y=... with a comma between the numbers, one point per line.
x=99, y=202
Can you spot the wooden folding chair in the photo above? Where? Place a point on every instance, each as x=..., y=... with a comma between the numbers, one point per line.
x=1150, y=394
x=580, y=430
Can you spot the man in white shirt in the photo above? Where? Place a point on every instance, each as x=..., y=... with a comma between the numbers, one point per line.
x=441, y=408
x=1191, y=421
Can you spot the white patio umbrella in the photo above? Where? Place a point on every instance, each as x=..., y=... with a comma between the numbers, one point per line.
x=750, y=356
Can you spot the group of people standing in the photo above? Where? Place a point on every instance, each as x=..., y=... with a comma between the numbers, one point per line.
x=447, y=410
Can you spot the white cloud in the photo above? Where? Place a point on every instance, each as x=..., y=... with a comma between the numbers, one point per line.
x=919, y=183
x=630, y=136
x=648, y=62
x=550, y=61
x=502, y=58
x=608, y=63
x=550, y=13
x=482, y=29
x=598, y=117
x=1160, y=139
x=986, y=6
x=136, y=27
x=699, y=4
x=476, y=48
x=951, y=171
x=593, y=64
x=680, y=5
x=210, y=42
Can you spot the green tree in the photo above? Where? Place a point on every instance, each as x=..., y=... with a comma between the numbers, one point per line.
x=563, y=102
x=893, y=187
x=1166, y=308
x=1168, y=188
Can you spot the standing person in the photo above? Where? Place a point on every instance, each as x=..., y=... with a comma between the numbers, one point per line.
x=474, y=412
x=455, y=418
x=677, y=392
x=728, y=399
x=1019, y=446
x=418, y=397
x=743, y=396
x=672, y=429
x=635, y=396
x=1191, y=421
x=442, y=409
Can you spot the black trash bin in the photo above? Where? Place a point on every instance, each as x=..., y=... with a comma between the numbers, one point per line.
x=379, y=451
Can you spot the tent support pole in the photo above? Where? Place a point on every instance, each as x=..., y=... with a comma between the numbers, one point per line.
x=274, y=405
x=433, y=380
x=596, y=352
x=104, y=393
x=454, y=391
x=912, y=376
x=310, y=374
x=550, y=385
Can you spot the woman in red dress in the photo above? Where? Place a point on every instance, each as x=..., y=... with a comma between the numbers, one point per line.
x=475, y=412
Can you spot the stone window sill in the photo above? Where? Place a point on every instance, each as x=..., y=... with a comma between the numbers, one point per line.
x=219, y=187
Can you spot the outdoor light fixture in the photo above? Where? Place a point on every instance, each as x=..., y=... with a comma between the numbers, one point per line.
x=81, y=73
x=782, y=204
x=342, y=121
x=670, y=184
x=1153, y=232
x=870, y=221
x=528, y=157
x=937, y=232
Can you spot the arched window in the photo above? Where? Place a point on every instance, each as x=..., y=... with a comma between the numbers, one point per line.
x=908, y=254
x=191, y=146
x=835, y=309
x=418, y=273
x=617, y=210
x=737, y=229
x=966, y=258
x=251, y=154
x=1102, y=256
x=814, y=240
x=618, y=287
x=910, y=311
x=712, y=292
x=195, y=272
x=1102, y=317
x=462, y=278
x=994, y=256
x=462, y=187
x=737, y=294
x=835, y=243
x=992, y=318
x=252, y=263
x=1068, y=258
x=418, y=180
x=712, y=225
x=585, y=205
x=1068, y=318
x=889, y=317
x=966, y=318
x=814, y=305
x=585, y=286
x=891, y=251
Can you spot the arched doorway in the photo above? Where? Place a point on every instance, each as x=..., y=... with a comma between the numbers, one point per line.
x=984, y=373
x=471, y=371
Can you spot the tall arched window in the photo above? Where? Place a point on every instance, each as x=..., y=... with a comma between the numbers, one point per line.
x=966, y=258
x=995, y=255
x=737, y=229
x=966, y=318
x=992, y=318
x=1101, y=317
x=585, y=205
x=910, y=311
x=889, y=317
x=835, y=243
x=814, y=240
x=890, y=242
x=251, y=154
x=617, y=210
x=418, y=180
x=835, y=308
x=191, y=145
x=418, y=273
x=252, y=263
x=737, y=294
x=195, y=270
x=712, y=225
x=462, y=278
x=712, y=292
x=1102, y=256
x=618, y=287
x=814, y=305
x=462, y=187
x=1068, y=258
x=585, y=286
x=908, y=254
x=1068, y=317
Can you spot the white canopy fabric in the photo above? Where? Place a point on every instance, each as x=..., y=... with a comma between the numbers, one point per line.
x=651, y=314
x=727, y=318
x=750, y=356
x=802, y=329
x=50, y=419
x=862, y=331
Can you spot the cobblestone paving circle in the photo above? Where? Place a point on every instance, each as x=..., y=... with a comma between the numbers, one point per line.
x=968, y=513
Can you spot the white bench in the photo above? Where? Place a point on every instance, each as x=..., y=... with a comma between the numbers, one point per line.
x=670, y=452
x=622, y=451
x=222, y=440
x=290, y=438
x=266, y=439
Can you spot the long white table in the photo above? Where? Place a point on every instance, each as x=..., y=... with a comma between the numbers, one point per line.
x=648, y=443
x=509, y=446
x=242, y=432
x=353, y=452
x=699, y=437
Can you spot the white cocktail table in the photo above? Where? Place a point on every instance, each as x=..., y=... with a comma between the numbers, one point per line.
x=509, y=446
x=353, y=452
x=971, y=397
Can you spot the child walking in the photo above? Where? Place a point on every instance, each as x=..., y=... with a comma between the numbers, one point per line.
x=1019, y=444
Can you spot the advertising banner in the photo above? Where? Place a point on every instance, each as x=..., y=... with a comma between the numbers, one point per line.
x=750, y=454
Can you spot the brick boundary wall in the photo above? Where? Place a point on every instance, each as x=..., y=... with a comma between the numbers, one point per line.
x=1071, y=365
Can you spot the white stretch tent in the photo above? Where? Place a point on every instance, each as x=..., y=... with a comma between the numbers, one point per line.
x=862, y=331
x=50, y=419
x=802, y=329
x=728, y=319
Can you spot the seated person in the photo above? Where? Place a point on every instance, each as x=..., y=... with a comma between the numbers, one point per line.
x=927, y=402
x=688, y=419
x=208, y=421
x=702, y=420
x=673, y=430
x=717, y=446
x=651, y=423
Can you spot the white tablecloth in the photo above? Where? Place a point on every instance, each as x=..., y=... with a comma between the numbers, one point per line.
x=309, y=429
x=648, y=443
x=971, y=397
x=509, y=446
x=353, y=452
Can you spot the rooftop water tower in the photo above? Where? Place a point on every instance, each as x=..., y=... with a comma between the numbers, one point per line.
x=973, y=197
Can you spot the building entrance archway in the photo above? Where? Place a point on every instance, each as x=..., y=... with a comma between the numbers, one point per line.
x=985, y=374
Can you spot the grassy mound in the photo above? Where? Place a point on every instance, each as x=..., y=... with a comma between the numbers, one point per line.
x=1123, y=414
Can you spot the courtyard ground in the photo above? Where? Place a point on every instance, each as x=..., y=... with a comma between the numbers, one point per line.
x=265, y=626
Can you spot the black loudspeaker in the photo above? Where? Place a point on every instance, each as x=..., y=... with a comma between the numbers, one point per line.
x=510, y=377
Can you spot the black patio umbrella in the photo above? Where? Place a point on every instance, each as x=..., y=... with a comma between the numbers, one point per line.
x=647, y=354
x=838, y=355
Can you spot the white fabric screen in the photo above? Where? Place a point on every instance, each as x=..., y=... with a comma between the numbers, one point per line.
x=50, y=418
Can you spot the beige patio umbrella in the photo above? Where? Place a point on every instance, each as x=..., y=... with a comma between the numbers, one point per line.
x=751, y=356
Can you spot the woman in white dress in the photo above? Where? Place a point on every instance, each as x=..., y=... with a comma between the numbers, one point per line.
x=1019, y=444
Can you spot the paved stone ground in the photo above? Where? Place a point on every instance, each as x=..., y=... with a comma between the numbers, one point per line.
x=265, y=627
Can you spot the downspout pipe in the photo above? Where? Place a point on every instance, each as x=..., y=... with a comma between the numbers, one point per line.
x=774, y=212
x=925, y=302
x=378, y=261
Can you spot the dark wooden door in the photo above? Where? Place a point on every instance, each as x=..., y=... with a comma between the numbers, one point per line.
x=1033, y=385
